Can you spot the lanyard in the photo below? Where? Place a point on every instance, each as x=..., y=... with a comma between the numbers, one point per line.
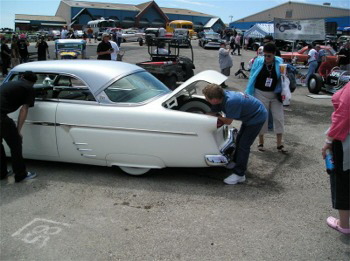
x=270, y=70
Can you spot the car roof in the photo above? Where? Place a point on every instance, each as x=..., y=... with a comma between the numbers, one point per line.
x=97, y=74
x=70, y=41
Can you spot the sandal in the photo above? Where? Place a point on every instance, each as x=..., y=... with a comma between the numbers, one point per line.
x=261, y=147
x=282, y=149
x=334, y=223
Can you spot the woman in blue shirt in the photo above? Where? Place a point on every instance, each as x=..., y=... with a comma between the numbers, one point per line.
x=265, y=84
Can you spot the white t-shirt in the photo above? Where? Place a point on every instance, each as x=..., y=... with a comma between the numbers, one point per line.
x=161, y=51
x=162, y=32
x=115, y=51
x=313, y=55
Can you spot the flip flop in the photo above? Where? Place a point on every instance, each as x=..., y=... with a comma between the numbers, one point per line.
x=334, y=223
x=261, y=147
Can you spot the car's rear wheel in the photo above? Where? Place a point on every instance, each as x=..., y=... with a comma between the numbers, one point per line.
x=315, y=83
x=255, y=47
x=134, y=171
x=282, y=28
x=195, y=107
x=299, y=27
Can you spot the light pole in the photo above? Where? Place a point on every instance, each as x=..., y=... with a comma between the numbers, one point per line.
x=231, y=16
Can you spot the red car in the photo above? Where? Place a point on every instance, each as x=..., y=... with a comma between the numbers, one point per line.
x=301, y=55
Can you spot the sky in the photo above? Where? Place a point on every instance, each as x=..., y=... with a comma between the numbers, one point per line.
x=227, y=10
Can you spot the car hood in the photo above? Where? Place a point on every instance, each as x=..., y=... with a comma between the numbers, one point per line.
x=209, y=76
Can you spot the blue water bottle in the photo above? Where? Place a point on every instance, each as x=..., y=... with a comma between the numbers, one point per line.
x=329, y=162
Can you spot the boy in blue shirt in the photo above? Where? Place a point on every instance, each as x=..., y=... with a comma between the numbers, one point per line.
x=242, y=107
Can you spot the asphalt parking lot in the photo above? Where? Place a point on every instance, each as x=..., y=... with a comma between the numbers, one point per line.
x=80, y=212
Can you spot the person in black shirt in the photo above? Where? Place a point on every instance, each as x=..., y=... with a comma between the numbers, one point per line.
x=5, y=56
x=344, y=57
x=43, y=48
x=104, y=48
x=23, y=48
x=15, y=94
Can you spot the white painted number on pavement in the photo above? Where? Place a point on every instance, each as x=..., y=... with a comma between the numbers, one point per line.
x=38, y=231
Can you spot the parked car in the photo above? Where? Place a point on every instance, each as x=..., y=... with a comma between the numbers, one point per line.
x=210, y=40
x=55, y=34
x=329, y=82
x=288, y=26
x=70, y=49
x=182, y=36
x=343, y=38
x=302, y=55
x=284, y=45
x=131, y=36
x=78, y=33
x=120, y=115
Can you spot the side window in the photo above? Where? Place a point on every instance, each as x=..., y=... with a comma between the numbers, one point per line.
x=71, y=88
x=43, y=86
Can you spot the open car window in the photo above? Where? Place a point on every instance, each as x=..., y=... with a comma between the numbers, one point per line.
x=135, y=88
x=43, y=86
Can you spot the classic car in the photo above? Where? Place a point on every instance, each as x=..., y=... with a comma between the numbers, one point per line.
x=70, y=49
x=120, y=115
x=79, y=33
x=302, y=55
x=182, y=36
x=210, y=40
x=288, y=26
x=328, y=79
x=131, y=36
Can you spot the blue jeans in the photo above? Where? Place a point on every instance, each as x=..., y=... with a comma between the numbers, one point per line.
x=245, y=139
x=312, y=69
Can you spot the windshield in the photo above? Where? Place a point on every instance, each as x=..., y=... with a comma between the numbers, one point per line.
x=106, y=24
x=212, y=36
x=70, y=46
x=136, y=88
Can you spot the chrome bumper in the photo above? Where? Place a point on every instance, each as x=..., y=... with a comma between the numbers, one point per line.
x=226, y=151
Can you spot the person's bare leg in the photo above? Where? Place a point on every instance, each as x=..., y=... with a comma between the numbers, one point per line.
x=279, y=139
x=344, y=216
x=261, y=139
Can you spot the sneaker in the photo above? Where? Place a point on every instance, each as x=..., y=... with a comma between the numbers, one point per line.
x=234, y=179
x=30, y=175
x=230, y=165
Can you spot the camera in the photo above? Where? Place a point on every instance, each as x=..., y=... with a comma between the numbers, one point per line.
x=111, y=50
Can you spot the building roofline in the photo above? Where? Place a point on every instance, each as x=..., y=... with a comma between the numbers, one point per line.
x=291, y=2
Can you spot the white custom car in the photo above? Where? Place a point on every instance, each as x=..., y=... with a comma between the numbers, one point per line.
x=111, y=113
x=131, y=36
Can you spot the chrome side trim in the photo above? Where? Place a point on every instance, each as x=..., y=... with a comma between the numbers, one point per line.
x=42, y=123
x=128, y=129
x=84, y=149
x=80, y=143
x=88, y=155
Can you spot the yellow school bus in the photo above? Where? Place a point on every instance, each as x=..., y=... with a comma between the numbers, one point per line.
x=181, y=24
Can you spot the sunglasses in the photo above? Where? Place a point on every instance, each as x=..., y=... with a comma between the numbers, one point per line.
x=268, y=55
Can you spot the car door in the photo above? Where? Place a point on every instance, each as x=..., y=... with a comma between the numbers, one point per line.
x=76, y=111
x=39, y=134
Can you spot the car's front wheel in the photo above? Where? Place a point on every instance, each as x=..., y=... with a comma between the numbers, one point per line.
x=134, y=171
x=315, y=83
x=282, y=28
x=196, y=107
